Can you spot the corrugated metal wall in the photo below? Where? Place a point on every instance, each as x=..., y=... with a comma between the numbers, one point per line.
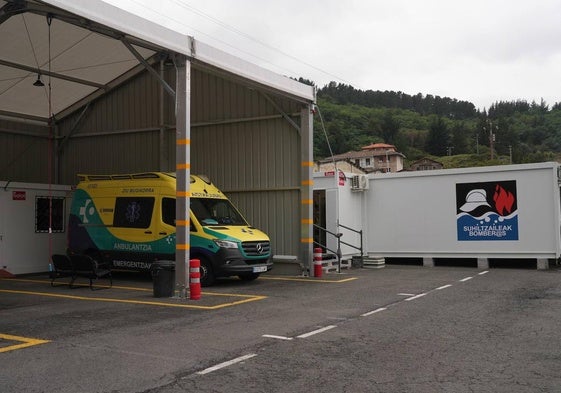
x=24, y=152
x=241, y=141
x=118, y=132
x=238, y=138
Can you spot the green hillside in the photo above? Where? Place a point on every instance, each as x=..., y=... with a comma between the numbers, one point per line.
x=450, y=131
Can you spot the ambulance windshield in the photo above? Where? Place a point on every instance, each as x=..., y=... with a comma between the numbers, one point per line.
x=210, y=211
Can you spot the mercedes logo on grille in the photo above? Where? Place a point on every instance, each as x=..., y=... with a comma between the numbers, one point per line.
x=259, y=248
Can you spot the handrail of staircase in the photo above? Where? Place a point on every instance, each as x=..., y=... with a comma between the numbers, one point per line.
x=361, y=248
x=338, y=252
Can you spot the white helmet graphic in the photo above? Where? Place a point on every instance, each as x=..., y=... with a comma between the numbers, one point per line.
x=474, y=199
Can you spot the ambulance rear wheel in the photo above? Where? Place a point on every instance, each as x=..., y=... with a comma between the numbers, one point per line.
x=207, y=275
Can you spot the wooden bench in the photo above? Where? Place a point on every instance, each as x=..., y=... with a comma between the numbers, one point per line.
x=79, y=266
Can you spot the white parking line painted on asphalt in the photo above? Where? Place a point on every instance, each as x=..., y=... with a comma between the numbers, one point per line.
x=323, y=329
x=483, y=272
x=277, y=337
x=415, y=297
x=226, y=364
x=466, y=279
x=405, y=294
x=444, y=287
x=373, y=311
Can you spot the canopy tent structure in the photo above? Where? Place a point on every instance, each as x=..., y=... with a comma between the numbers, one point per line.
x=56, y=56
x=86, y=48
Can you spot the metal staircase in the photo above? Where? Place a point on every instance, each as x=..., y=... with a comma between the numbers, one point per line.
x=332, y=259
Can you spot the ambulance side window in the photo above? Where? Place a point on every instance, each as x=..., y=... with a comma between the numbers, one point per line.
x=168, y=211
x=133, y=212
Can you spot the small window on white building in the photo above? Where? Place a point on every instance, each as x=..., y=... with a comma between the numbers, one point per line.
x=49, y=216
x=367, y=162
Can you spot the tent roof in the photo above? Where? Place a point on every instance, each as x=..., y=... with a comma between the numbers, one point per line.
x=93, y=47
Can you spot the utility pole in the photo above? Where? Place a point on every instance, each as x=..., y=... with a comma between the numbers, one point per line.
x=491, y=139
x=491, y=136
x=449, y=150
x=510, y=152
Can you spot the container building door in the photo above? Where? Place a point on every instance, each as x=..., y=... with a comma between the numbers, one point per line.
x=319, y=216
x=3, y=262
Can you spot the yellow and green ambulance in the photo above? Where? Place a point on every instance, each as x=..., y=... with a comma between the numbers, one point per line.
x=129, y=221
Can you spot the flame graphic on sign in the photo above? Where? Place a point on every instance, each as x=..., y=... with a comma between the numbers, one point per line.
x=504, y=200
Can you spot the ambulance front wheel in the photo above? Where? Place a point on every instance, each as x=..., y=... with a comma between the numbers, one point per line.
x=207, y=275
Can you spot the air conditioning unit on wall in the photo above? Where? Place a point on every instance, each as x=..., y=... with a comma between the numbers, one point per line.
x=359, y=183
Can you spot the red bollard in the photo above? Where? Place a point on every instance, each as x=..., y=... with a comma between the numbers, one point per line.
x=318, y=267
x=194, y=279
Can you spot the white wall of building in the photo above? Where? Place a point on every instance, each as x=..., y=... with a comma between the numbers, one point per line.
x=22, y=249
x=416, y=214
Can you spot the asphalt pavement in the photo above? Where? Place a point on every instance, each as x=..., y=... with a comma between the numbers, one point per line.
x=396, y=329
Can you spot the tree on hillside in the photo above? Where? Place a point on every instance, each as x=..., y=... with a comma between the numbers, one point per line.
x=438, y=138
x=460, y=138
x=306, y=81
x=505, y=137
x=541, y=108
x=508, y=108
x=341, y=93
x=339, y=142
x=481, y=133
x=390, y=127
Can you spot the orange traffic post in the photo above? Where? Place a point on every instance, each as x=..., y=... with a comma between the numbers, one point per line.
x=318, y=267
x=194, y=279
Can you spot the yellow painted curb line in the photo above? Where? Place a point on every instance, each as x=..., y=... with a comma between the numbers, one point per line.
x=309, y=279
x=145, y=302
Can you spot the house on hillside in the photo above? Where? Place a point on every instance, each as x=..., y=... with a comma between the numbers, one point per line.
x=377, y=157
x=328, y=165
x=425, y=164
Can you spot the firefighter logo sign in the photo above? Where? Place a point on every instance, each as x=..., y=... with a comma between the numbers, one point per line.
x=487, y=211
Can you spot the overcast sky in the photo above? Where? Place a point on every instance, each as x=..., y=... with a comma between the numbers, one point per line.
x=481, y=51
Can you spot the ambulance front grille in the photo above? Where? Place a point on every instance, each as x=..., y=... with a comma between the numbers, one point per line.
x=256, y=249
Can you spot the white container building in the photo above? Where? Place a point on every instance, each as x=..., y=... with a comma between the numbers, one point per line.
x=508, y=212
x=30, y=229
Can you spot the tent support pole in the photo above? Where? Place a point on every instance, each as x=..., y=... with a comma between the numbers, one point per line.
x=183, y=173
x=306, y=188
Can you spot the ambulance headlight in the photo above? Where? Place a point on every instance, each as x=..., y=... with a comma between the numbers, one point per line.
x=226, y=244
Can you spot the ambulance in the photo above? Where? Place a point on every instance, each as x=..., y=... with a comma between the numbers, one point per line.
x=128, y=220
